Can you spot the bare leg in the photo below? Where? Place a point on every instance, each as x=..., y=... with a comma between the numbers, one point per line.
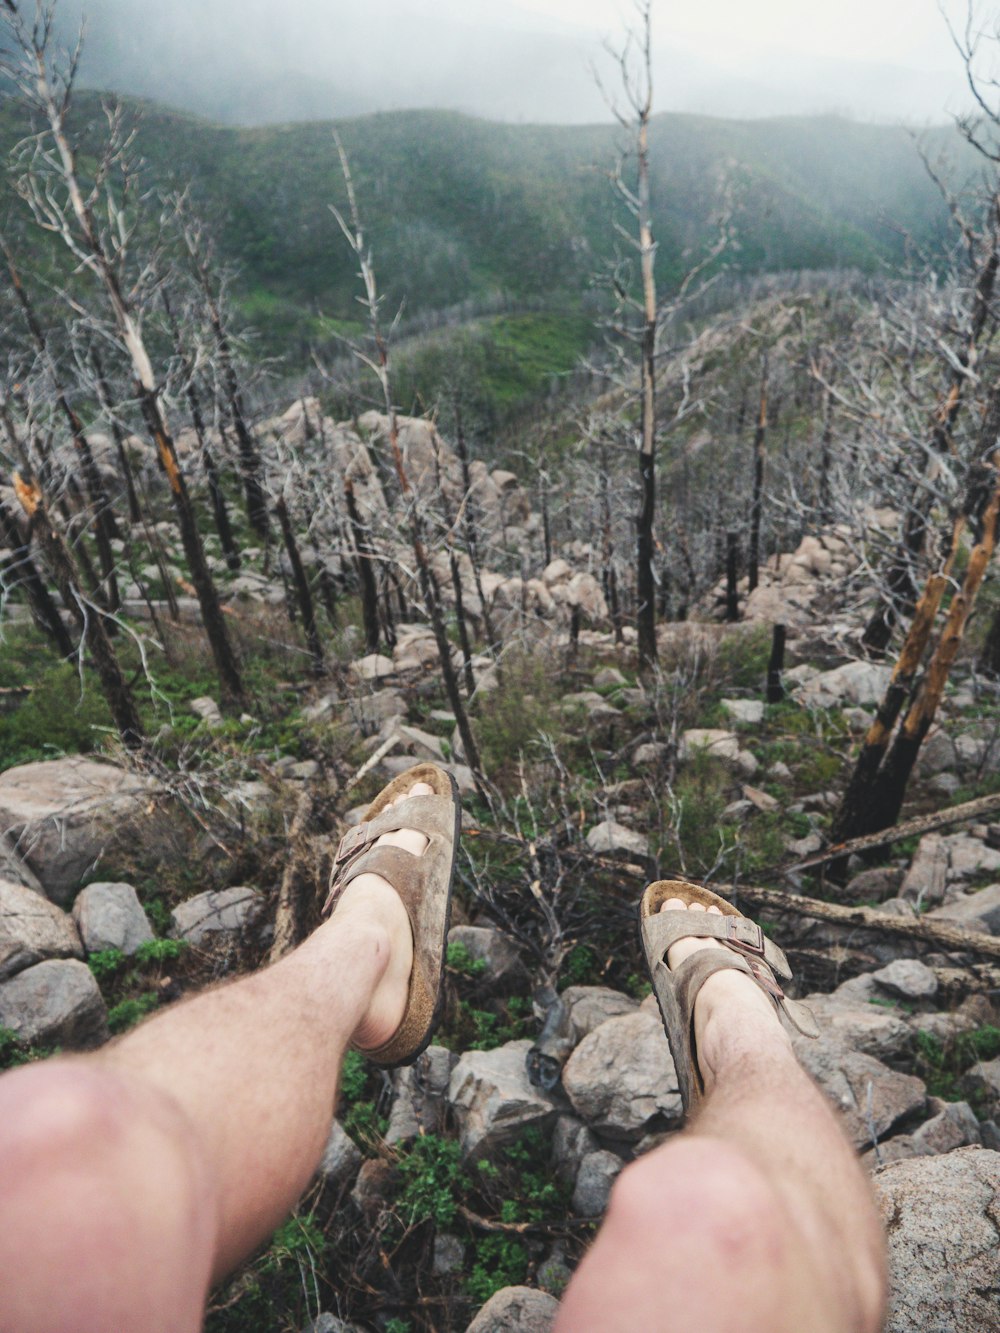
x=757, y=1218
x=132, y=1178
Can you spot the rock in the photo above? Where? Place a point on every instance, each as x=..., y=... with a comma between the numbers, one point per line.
x=968, y=857
x=341, y=1157
x=590, y=1006
x=207, y=709
x=372, y=667
x=746, y=763
x=559, y=571
x=802, y=847
x=945, y=783
x=571, y=1142
x=983, y=1082
x=60, y=813
x=846, y=1075
x=612, y=839
x=493, y=1098
x=209, y=917
x=449, y=1255
x=859, y=683
x=493, y=948
x=760, y=800
x=711, y=741
x=329, y=1323
x=621, y=1076
x=975, y=911
x=942, y=1221
x=908, y=978
x=516, y=1310
x=584, y=593
x=953, y=1127
x=873, y=885
x=937, y=753
x=14, y=870
x=420, y=1103
x=608, y=678
x=652, y=752
x=862, y=1026
x=598, y=1172
x=54, y=1002
x=32, y=929
x=370, y=712
x=780, y=771
x=750, y=711
x=927, y=876
x=373, y=1186
x=110, y=916
x=554, y=1273
x=420, y=744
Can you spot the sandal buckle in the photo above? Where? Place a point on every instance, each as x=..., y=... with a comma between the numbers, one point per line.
x=351, y=843
x=745, y=935
x=766, y=979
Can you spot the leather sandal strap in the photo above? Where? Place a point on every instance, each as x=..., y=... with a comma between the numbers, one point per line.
x=691, y=975
x=739, y=933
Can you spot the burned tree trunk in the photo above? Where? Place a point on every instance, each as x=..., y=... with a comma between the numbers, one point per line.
x=303, y=595
x=366, y=578
x=19, y=568
x=756, y=504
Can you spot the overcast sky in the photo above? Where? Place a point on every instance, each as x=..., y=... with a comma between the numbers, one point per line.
x=524, y=60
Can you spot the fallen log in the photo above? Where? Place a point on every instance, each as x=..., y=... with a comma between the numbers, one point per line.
x=951, y=938
x=909, y=828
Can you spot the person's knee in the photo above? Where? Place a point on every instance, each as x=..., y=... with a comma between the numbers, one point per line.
x=709, y=1196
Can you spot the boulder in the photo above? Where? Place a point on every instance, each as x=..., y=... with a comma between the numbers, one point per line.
x=927, y=877
x=32, y=929
x=649, y=753
x=590, y=1006
x=857, y=1024
x=571, y=1143
x=711, y=741
x=493, y=1098
x=969, y=857
x=492, y=948
x=59, y=814
x=110, y=916
x=372, y=667
x=975, y=911
x=621, y=1076
x=210, y=917
x=421, y=1100
x=871, y=1097
x=613, y=839
x=341, y=1158
x=908, y=978
x=516, y=1310
x=449, y=1255
x=54, y=1002
x=207, y=709
x=942, y=1221
x=597, y=1173
x=953, y=1127
x=750, y=711
x=858, y=683
x=369, y=712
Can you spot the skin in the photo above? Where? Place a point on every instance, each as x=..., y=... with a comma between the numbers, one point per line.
x=144, y=1172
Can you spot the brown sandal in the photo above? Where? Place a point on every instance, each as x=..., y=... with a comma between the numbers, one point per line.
x=748, y=950
x=423, y=883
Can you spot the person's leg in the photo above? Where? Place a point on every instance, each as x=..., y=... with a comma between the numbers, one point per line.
x=757, y=1218
x=132, y=1178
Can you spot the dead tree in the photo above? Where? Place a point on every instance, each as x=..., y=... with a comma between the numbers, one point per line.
x=757, y=503
x=60, y=201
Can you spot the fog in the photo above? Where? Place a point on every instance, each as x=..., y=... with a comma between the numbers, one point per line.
x=251, y=61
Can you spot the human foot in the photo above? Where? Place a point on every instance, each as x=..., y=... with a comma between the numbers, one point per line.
x=371, y=900
x=733, y=1016
x=393, y=875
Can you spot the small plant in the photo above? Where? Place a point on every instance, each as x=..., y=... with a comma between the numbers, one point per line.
x=432, y=1180
x=105, y=963
x=942, y=1064
x=14, y=1051
x=500, y=1262
x=353, y=1076
x=461, y=960
x=580, y=969
x=127, y=1013
x=159, y=951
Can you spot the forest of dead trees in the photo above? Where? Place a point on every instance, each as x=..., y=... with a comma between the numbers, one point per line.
x=133, y=469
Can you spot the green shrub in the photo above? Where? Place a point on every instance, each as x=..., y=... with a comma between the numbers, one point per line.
x=501, y=1261
x=127, y=1013
x=105, y=963
x=432, y=1181
x=159, y=951
x=461, y=960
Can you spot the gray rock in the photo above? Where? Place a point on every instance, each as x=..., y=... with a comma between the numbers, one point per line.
x=420, y=1103
x=516, y=1310
x=207, y=709
x=870, y=1096
x=859, y=683
x=598, y=1172
x=495, y=949
x=866, y=1027
x=969, y=857
x=621, y=1076
x=760, y=800
x=975, y=911
x=341, y=1157
x=372, y=667
x=937, y=753
x=945, y=783
x=14, y=870
x=873, y=885
x=750, y=711
x=59, y=815
x=652, y=752
x=54, y=1002
x=953, y=1127
x=210, y=917
x=927, y=876
x=32, y=929
x=983, y=1079
x=711, y=741
x=420, y=744
x=493, y=1098
x=571, y=1142
x=590, y=1006
x=449, y=1255
x=369, y=712
x=329, y=1323
x=942, y=1220
x=612, y=839
x=375, y=1181
x=554, y=1272
x=110, y=916
x=908, y=978
x=608, y=677
x=746, y=763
